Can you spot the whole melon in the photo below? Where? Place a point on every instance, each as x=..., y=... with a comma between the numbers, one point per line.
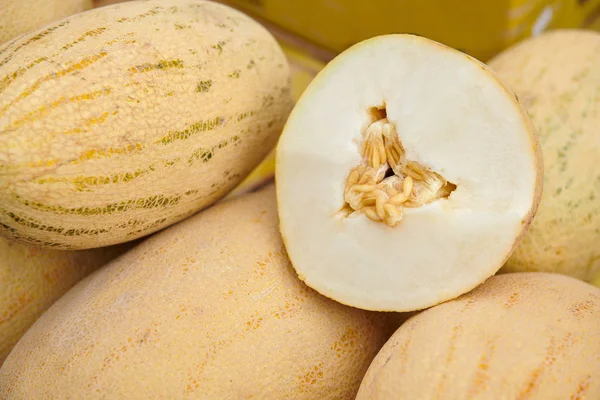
x=32, y=279
x=557, y=77
x=208, y=309
x=122, y=120
x=522, y=336
x=18, y=17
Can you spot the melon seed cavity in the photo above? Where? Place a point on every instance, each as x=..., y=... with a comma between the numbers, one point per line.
x=386, y=182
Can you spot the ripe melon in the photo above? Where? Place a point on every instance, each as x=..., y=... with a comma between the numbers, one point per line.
x=531, y=336
x=32, y=279
x=21, y=16
x=406, y=174
x=557, y=76
x=208, y=309
x=122, y=120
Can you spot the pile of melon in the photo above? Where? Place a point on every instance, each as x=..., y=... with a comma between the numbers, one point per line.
x=431, y=232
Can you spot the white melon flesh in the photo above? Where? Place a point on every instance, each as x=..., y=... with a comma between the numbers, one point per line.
x=452, y=117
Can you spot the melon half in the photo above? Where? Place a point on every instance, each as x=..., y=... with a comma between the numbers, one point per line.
x=406, y=175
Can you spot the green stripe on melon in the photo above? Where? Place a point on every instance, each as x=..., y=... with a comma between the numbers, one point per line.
x=104, y=135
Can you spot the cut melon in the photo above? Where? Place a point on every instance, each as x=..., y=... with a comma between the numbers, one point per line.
x=406, y=174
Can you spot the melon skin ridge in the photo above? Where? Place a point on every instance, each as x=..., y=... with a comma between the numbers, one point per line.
x=122, y=120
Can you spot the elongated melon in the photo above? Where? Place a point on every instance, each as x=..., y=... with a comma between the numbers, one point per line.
x=528, y=336
x=18, y=17
x=122, y=120
x=32, y=279
x=208, y=309
x=557, y=76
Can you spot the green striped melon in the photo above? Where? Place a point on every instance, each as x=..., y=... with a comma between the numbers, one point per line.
x=122, y=120
x=18, y=17
x=32, y=279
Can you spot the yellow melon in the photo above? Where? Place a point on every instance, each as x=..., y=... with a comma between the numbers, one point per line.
x=124, y=119
x=518, y=336
x=557, y=77
x=210, y=308
x=32, y=279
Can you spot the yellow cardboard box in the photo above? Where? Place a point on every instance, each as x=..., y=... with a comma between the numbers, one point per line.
x=592, y=22
x=481, y=28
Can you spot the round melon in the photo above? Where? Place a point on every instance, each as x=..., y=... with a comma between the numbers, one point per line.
x=527, y=336
x=406, y=175
x=557, y=76
x=32, y=279
x=207, y=309
x=122, y=120
x=18, y=17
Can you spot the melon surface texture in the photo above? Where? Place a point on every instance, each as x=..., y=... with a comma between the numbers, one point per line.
x=21, y=16
x=32, y=279
x=122, y=120
x=518, y=336
x=209, y=308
